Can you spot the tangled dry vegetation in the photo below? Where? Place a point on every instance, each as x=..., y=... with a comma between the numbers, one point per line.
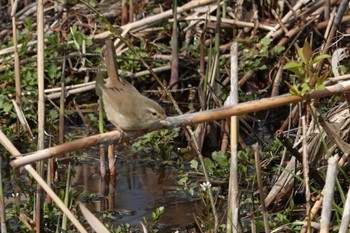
x=282, y=47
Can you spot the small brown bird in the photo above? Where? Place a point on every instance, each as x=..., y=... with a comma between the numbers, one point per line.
x=125, y=107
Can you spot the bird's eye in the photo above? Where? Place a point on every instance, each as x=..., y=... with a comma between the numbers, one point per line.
x=154, y=113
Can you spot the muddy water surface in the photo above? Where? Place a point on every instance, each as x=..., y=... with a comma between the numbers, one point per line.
x=138, y=189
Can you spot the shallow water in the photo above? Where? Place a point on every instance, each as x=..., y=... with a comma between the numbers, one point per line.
x=137, y=190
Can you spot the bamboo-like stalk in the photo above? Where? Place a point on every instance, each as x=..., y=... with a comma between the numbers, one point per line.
x=236, y=23
x=54, y=93
x=41, y=108
x=111, y=192
x=102, y=150
x=287, y=17
x=111, y=162
x=61, y=133
x=156, y=18
x=277, y=81
x=344, y=225
x=124, y=12
x=261, y=188
x=328, y=194
x=174, y=77
x=216, y=72
x=67, y=196
x=2, y=203
x=131, y=11
x=92, y=220
x=183, y=120
x=326, y=46
x=17, y=82
x=16, y=57
x=22, y=119
x=233, y=200
x=306, y=174
x=318, y=204
x=103, y=170
x=13, y=150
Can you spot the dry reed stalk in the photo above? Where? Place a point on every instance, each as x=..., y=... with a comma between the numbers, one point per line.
x=103, y=169
x=124, y=19
x=18, y=102
x=16, y=59
x=328, y=194
x=277, y=81
x=225, y=136
x=289, y=121
x=232, y=199
x=111, y=162
x=13, y=150
x=41, y=108
x=318, y=204
x=174, y=76
x=326, y=46
x=231, y=22
x=285, y=19
x=131, y=11
x=344, y=225
x=94, y=222
x=3, y=227
x=329, y=24
x=183, y=120
x=255, y=148
x=79, y=88
x=306, y=173
x=324, y=24
x=254, y=106
x=62, y=105
x=22, y=119
x=145, y=22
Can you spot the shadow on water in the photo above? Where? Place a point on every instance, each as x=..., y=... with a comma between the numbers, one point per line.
x=137, y=190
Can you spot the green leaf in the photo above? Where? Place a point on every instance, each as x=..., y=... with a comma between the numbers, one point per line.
x=307, y=52
x=319, y=58
x=221, y=158
x=160, y=210
x=295, y=67
x=29, y=23
x=209, y=165
x=194, y=164
x=292, y=65
x=265, y=41
x=182, y=181
x=278, y=49
x=53, y=71
x=263, y=67
x=53, y=114
x=304, y=88
x=294, y=90
x=7, y=107
x=320, y=87
x=301, y=55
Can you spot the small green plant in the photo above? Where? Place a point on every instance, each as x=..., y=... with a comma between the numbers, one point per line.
x=123, y=228
x=131, y=62
x=157, y=213
x=205, y=215
x=155, y=217
x=78, y=38
x=161, y=142
x=305, y=70
x=256, y=54
x=218, y=165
